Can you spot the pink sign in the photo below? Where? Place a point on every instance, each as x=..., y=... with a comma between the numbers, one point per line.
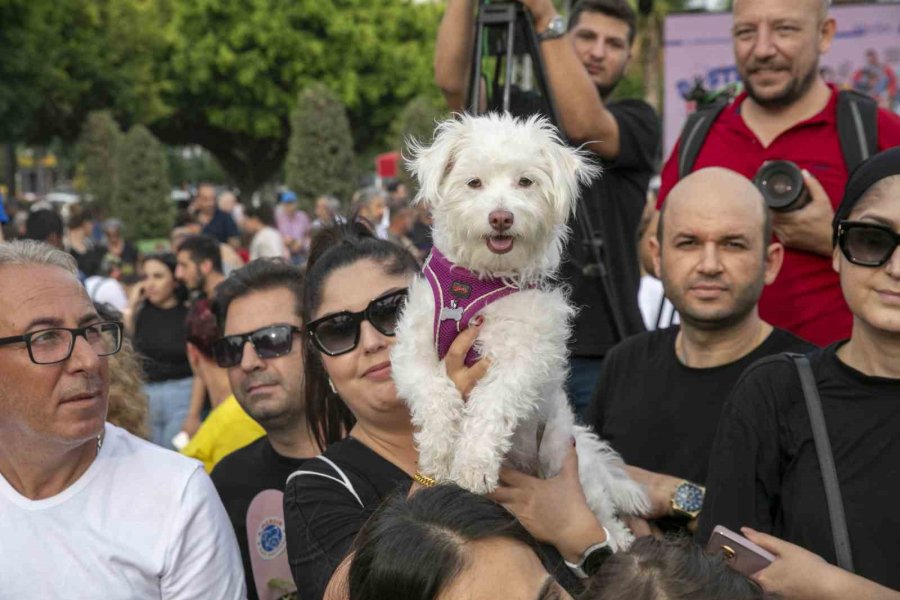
x=865, y=55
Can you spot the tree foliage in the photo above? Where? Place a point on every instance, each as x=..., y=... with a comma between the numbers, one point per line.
x=320, y=156
x=236, y=70
x=417, y=122
x=142, y=200
x=65, y=58
x=98, y=149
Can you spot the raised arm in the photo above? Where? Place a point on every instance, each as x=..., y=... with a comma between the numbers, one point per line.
x=453, y=52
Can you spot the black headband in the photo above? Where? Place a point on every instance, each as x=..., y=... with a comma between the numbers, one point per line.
x=881, y=166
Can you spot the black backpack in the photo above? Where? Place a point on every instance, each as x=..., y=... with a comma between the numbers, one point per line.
x=857, y=125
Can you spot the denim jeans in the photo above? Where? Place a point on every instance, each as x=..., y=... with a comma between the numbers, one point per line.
x=169, y=404
x=581, y=383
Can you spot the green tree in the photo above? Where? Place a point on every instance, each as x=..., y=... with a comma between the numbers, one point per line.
x=320, y=156
x=143, y=201
x=417, y=121
x=236, y=68
x=98, y=148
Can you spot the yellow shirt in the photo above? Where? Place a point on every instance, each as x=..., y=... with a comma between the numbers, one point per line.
x=226, y=429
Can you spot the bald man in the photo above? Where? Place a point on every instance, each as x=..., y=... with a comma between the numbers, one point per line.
x=660, y=393
x=789, y=112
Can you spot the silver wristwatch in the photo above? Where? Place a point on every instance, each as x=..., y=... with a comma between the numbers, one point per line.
x=592, y=558
x=555, y=29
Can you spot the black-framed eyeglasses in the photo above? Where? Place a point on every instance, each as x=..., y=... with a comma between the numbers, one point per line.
x=55, y=345
x=339, y=333
x=271, y=341
x=867, y=244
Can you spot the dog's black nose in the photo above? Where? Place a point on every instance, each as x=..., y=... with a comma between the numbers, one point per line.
x=500, y=220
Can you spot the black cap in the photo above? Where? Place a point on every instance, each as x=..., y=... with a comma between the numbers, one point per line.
x=881, y=166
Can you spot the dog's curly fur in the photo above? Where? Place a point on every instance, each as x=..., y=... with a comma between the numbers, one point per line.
x=477, y=165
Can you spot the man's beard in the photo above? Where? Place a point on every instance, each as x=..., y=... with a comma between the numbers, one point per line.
x=795, y=90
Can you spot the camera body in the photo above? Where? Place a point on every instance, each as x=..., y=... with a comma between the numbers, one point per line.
x=781, y=184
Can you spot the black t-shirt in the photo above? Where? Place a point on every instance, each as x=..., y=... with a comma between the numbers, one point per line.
x=661, y=415
x=222, y=227
x=764, y=471
x=323, y=517
x=615, y=202
x=240, y=478
x=160, y=337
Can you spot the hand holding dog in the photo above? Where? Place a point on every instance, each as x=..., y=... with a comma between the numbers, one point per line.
x=553, y=510
x=810, y=227
x=463, y=377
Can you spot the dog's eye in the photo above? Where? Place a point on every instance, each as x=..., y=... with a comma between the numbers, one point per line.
x=525, y=182
x=474, y=183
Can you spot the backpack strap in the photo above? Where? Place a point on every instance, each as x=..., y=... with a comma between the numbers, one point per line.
x=694, y=133
x=857, y=126
x=833, y=498
x=341, y=478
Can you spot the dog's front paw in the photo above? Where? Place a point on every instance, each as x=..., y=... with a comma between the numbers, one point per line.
x=475, y=481
x=476, y=473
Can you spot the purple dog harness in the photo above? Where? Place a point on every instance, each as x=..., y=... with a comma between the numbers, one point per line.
x=459, y=295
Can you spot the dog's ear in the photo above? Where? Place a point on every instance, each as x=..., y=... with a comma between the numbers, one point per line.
x=430, y=164
x=569, y=168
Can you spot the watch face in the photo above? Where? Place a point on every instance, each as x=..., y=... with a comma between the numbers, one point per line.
x=689, y=497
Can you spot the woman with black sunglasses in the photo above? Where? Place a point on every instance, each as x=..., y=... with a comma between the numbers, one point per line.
x=355, y=287
x=765, y=471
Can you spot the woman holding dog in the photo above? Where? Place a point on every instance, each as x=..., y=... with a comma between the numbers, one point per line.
x=765, y=471
x=355, y=288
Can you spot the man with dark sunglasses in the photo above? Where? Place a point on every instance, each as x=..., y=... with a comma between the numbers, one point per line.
x=258, y=309
x=88, y=510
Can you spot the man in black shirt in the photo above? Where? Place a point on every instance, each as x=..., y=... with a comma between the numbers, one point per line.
x=660, y=393
x=258, y=309
x=585, y=60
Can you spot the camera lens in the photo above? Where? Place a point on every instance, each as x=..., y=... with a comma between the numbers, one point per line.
x=781, y=184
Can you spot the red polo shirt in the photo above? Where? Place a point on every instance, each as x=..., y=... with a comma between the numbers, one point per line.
x=806, y=297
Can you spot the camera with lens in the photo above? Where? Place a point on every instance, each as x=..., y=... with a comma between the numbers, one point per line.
x=781, y=185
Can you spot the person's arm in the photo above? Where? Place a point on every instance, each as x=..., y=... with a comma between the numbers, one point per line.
x=584, y=117
x=798, y=574
x=202, y=557
x=453, y=52
x=555, y=510
x=322, y=518
x=193, y=420
x=743, y=483
x=809, y=228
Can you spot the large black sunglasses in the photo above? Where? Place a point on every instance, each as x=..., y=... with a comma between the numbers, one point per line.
x=268, y=342
x=339, y=333
x=55, y=345
x=867, y=244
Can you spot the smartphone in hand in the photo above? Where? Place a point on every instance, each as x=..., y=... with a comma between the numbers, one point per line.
x=739, y=553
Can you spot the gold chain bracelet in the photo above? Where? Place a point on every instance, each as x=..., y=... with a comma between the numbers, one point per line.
x=424, y=480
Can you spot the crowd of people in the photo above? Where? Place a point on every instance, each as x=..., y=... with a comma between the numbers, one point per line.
x=216, y=418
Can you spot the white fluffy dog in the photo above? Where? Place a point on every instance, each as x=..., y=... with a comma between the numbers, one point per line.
x=501, y=191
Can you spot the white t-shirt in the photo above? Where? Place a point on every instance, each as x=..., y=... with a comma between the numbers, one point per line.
x=108, y=290
x=656, y=309
x=267, y=243
x=142, y=522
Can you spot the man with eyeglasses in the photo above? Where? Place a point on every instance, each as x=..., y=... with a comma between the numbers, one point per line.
x=258, y=309
x=88, y=510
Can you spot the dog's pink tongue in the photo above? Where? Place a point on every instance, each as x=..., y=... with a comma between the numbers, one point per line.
x=500, y=244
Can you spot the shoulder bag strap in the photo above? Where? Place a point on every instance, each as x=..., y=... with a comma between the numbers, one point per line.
x=826, y=463
x=694, y=133
x=341, y=478
x=857, y=126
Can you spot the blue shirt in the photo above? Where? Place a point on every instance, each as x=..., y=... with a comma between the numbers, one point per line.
x=222, y=227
